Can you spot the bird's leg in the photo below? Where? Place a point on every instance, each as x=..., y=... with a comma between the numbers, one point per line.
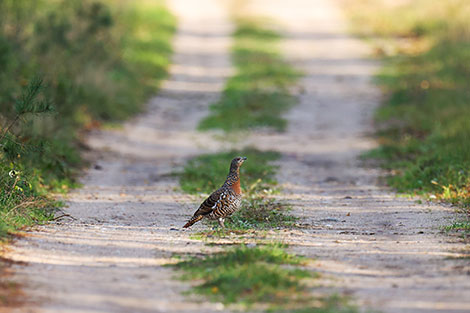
x=221, y=222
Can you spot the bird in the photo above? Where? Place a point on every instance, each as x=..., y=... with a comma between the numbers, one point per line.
x=224, y=201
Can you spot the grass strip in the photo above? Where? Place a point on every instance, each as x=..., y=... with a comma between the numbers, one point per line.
x=423, y=125
x=247, y=275
x=264, y=275
x=258, y=94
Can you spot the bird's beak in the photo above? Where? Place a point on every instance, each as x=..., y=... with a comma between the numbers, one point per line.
x=244, y=158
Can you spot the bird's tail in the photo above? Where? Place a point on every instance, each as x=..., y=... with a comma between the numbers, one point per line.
x=193, y=220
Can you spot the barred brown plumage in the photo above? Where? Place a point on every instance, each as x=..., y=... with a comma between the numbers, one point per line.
x=224, y=201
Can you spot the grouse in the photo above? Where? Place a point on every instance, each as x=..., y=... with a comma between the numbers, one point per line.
x=225, y=200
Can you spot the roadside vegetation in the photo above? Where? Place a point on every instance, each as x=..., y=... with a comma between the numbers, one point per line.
x=258, y=94
x=67, y=67
x=424, y=126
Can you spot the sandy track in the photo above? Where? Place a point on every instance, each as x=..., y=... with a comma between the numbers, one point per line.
x=386, y=252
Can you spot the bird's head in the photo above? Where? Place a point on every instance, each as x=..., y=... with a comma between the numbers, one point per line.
x=237, y=162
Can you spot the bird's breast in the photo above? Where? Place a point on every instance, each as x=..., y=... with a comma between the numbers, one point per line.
x=236, y=187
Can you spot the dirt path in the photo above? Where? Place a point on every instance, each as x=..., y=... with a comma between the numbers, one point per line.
x=384, y=251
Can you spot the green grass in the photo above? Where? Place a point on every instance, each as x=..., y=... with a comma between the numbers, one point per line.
x=247, y=275
x=424, y=126
x=258, y=94
x=100, y=61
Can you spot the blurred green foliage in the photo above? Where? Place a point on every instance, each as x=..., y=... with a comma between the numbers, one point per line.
x=99, y=61
x=424, y=126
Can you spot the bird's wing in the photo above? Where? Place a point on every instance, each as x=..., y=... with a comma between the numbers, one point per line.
x=214, y=201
